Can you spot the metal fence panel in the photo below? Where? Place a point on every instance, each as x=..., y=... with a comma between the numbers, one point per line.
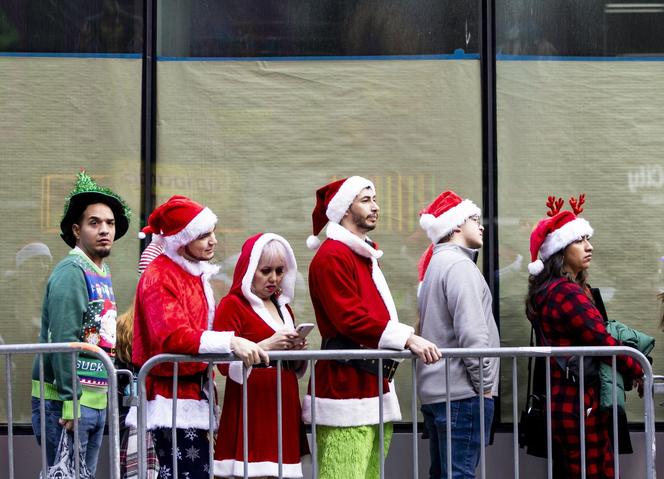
x=7, y=350
x=509, y=353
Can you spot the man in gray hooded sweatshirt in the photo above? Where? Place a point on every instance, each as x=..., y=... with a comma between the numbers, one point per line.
x=455, y=308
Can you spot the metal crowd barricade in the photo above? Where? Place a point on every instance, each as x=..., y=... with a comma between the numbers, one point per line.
x=8, y=350
x=380, y=355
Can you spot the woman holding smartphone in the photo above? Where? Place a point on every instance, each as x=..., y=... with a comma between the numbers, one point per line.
x=256, y=308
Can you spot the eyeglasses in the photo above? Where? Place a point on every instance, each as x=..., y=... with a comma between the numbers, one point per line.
x=476, y=218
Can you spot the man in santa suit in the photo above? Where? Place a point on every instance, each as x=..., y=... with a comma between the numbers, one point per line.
x=174, y=311
x=354, y=309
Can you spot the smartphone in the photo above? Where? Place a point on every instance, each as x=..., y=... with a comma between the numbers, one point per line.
x=304, y=329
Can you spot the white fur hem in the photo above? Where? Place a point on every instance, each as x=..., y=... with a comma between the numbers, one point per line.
x=233, y=468
x=190, y=413
x=395, y=335
x=235, y=372
x=215, y=342
x=439, y=227
x=349, y=189
x=563, y=236
x=351, y=412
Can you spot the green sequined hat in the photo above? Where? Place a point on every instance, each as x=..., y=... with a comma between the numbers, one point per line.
x=87, y=192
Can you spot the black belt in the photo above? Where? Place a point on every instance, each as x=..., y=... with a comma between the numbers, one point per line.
x=366, y=365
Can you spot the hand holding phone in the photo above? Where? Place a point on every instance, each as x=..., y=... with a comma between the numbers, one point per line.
x=304, y=329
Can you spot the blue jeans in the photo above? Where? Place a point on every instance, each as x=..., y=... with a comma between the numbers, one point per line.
x=90, y=430
x=465, y=429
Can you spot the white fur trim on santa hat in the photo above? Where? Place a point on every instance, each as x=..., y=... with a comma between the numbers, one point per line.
x=201, y=223
x=566, y=234
x=233, y=468
x=287, y=283
x=441, y=226
x=190, y=413
x=341, y=201
x=352, y=412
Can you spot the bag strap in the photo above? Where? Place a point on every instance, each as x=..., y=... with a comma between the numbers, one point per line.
x=529, y=390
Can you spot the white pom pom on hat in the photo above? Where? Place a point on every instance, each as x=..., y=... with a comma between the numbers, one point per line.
x=313, y=242
x=536, y=267
x=427, y=221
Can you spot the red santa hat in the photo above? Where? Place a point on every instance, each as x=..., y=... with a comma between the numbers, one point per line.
x=179, y=221
x=332, y=202
x=554, y=233
x=447, y=212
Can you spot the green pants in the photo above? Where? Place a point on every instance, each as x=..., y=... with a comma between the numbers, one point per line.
x=350, y=452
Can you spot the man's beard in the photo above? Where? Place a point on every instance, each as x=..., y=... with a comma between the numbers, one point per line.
x=103, y=252
x=361, y=222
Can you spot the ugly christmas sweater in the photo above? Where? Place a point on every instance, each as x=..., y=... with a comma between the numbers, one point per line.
x=79, y=305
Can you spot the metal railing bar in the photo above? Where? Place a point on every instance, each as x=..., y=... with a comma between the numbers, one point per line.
x=10, y=416
x=413, y=415
x=582, y=416
x=42, y=414
x=314, y=442
x=245, y=426
x=448, y=419
x=549, y=439
x=616, y=447
x=515, y=415
x=381, y=426
x=280, y=456
x=211, y=418
x=174, y=418
x=77, y=415
x=482, y=438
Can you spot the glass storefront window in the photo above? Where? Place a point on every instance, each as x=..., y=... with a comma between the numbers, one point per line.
x=569, y=125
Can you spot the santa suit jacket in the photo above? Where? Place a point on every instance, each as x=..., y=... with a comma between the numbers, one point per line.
x=174, y=309
x=351, y=298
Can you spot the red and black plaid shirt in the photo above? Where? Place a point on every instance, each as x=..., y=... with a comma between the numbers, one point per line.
x=568, y=317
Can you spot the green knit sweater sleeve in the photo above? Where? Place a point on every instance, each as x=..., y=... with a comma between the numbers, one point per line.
x=66, y=304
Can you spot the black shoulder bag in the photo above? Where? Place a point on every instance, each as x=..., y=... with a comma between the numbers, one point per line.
x=533, y=418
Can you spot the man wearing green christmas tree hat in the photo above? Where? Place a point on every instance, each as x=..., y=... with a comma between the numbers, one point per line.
x=79, y=305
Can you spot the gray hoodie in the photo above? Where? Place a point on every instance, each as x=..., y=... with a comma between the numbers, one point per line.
x=455, y=312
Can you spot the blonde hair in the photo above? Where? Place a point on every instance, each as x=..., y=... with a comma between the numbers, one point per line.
x=124, y=334
x=274, y=250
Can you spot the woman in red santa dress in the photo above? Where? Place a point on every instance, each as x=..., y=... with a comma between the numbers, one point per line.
x=256, y=308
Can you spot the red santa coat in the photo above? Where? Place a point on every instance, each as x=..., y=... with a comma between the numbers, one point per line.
x=244, y=313
x=173, y=314
x=351, y=298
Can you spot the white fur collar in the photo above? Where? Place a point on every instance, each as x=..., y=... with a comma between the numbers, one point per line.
x=202, y=269
x=194, y=268
x=337, y=232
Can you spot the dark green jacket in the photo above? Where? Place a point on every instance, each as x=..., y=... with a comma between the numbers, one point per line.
x=628, y=337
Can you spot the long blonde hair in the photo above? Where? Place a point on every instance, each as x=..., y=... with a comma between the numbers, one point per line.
x=124, y=334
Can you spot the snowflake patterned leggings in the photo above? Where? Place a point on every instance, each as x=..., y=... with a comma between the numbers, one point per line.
x=192, y=446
